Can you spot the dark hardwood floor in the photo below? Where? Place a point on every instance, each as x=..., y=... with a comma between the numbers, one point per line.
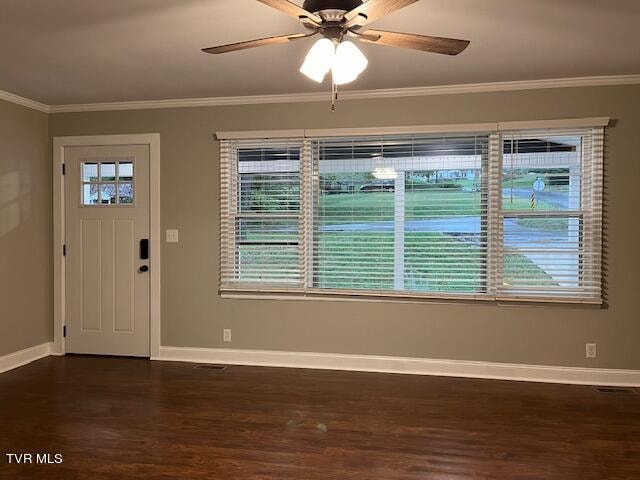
x=115, y=418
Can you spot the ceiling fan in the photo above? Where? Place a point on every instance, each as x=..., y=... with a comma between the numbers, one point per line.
x=336, y=21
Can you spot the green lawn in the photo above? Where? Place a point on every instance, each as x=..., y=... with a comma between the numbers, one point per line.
x=518, y=266
x=379, y=206
x=526, y=181
x=366, y=261
x=545, y=223
x=434, y=262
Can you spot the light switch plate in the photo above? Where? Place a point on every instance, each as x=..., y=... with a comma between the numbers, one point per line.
x=172, y=236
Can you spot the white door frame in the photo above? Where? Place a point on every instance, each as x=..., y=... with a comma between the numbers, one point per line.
x=59, y=145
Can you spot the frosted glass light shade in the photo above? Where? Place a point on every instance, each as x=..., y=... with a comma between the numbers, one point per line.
x=319, y=60
x=348, y=63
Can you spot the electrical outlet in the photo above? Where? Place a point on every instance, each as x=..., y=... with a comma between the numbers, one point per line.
x=591, y=350
x=172, y=236
x=226, y=335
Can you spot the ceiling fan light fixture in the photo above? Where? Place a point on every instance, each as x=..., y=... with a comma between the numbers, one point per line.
x=334, y=20
x=319, y=60
x=385, y=173
x=349, y=62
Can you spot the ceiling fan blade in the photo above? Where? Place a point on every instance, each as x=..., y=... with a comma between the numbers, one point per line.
x=363, y=36
x=373, y=10
x=234, y=47
x=447, y=46
x=292, y=10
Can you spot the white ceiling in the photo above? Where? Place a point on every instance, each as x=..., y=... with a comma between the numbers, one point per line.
x=84, y=51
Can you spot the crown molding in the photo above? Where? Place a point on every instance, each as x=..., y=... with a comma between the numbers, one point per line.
x=323, y=96
x=25, y=102
x=356, y=94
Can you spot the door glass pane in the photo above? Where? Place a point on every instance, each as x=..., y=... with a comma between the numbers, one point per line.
x=90, y=193
x=125, y=171
x=89, y=172
x=125, y=193
x=107, y=172
x=107, y=194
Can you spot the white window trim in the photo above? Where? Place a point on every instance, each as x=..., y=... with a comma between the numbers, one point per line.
x=589, y=122
x=495, y=131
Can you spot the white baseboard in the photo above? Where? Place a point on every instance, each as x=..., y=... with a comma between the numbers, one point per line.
x=23, y=357
x=369, y=363
x=403, y=365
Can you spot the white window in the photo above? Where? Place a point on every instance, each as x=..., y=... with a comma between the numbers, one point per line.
x=261, y=215
x=550, y=214
x=400, y=213
x=489, y=215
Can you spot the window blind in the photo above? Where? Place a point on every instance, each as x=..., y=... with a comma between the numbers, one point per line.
x=551, y=214
x=400, y=214
x=498, y=215
x=260, y=214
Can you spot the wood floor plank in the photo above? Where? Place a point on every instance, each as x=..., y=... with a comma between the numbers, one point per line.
x=115, y=418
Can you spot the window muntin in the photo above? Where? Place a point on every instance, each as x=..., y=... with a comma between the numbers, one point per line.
x=483, y=216
x=107, y=183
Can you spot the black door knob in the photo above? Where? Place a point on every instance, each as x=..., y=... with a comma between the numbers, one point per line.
x=144, y=269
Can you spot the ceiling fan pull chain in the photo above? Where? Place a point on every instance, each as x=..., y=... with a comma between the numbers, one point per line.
x=334, y=95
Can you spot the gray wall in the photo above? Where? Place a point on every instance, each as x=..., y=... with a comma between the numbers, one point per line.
x=193, y=315
x=25, y=229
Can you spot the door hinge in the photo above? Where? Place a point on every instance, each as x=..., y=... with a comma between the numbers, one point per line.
x=64, y=331
x=64, y=169
x=64, y=250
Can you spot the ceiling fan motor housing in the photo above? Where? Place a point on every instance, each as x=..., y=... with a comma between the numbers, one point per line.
x=316, y=6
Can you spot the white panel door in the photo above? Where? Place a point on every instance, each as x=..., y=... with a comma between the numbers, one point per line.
x=107, y=252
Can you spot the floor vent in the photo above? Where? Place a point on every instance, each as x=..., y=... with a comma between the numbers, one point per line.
x=616, y=390
x=206, y=366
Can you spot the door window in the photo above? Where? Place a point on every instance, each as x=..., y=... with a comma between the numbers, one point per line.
x=107, y=183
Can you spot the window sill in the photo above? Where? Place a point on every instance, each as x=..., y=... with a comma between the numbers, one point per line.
x=337, y=296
